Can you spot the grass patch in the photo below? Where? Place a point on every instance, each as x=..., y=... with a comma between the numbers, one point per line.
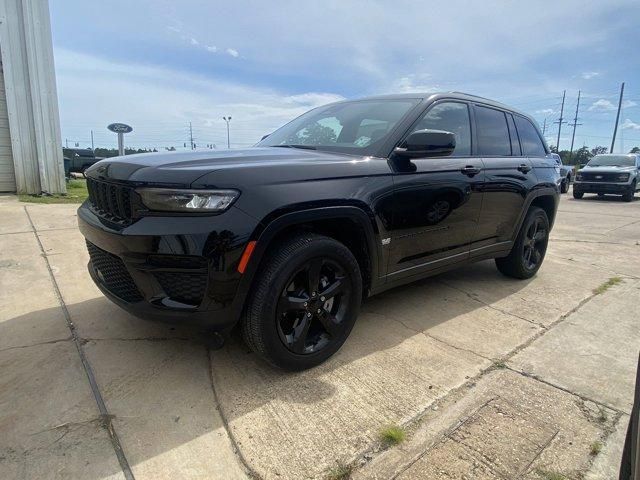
x=342, y=471
x=602, y=417
x=596, y=448
x=499, y=364
x=548, y=475
x=607, y=285
x=392, y=435
x=76, y=193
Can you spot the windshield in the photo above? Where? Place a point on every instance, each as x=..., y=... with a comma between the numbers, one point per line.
x=358, y=127
x=612, y=161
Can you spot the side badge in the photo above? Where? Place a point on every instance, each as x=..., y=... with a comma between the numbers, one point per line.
x=386, y=241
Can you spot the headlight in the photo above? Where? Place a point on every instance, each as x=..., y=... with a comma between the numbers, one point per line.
x=578, y=176
x=622, y=177
x=169, y=200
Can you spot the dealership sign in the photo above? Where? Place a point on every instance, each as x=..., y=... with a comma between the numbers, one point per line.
x=120, y=128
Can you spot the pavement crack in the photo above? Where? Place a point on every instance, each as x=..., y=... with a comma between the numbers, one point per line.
x=48, y=342
x=251, y=473
x=104, y=414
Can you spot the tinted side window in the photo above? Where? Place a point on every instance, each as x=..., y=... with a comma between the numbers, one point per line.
x=451, y=117
x=493, y=133
x=529, y=138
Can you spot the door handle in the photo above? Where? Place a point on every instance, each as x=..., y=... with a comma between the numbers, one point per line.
x=470, y=170
x=524, y=168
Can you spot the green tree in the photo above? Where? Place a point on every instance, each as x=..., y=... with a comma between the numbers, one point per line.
x=635, y=150
x=582, y=155
x=599, y=150
x=314, y=134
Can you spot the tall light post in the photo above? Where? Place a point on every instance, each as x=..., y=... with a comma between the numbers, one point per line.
x=227, y=119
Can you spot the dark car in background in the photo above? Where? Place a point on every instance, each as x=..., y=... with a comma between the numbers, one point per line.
x=344, y=202
x=78, y=159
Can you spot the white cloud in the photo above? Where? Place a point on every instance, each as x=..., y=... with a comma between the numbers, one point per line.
x=589, y=75
x=160, y=102
x=630, y=125
x=602, y=105
x=628, y=104
x=173, y=29
x=545, y=111
x=414, y=83
x=211, y=48
x=193, y=41
x=233, y=52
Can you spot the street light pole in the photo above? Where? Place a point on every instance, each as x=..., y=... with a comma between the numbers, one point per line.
x=227, y=119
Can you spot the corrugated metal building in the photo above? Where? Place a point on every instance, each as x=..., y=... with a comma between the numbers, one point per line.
x=30, y=144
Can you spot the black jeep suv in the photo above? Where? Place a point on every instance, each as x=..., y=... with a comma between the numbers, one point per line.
x=346, y=201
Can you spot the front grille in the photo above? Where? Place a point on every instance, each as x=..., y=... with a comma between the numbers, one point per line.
x=599, y=177
x=113, y=274
x=111, y=201
x=183, y=287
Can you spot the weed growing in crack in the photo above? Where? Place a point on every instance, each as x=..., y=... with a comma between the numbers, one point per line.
x=596, y=448
x=607, y=285
x=341, y=471
x=548, y=475
x=392, y=435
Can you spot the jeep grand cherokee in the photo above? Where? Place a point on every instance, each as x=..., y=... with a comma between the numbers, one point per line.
x=344, y=202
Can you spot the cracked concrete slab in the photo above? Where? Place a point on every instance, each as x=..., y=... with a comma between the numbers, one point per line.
x=49, y=419
x=503, y=426
x=164, y=408
x=53, y=216
x=298, y=425
x=594, y=351
x=14, y=220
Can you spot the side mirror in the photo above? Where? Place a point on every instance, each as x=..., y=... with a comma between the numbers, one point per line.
x=427, y=143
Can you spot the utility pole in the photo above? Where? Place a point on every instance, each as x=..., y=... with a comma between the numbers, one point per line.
x=227, y=119
x=191, y=136
x=615, y=129
x=66, y=142
x=574, y=125
x=544, y=126
x=560, y=121
x=92, y=140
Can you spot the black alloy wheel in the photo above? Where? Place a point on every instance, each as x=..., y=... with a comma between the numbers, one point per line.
x=528, y=251
x=311, y=309
x=535, y=244
x=304, y=301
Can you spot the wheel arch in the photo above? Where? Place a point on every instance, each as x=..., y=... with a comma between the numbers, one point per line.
x=351, y=225
x=545, y=198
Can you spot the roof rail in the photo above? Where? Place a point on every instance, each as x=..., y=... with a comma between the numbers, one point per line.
x=471, y=95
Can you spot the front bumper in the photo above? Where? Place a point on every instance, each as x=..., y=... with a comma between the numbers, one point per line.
x=601, y=187
x=170, y=268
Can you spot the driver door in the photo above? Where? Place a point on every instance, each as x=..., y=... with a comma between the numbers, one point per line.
x=436, y=200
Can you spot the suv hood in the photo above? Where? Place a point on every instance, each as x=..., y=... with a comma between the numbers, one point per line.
x=184, y=169
x=606, y=169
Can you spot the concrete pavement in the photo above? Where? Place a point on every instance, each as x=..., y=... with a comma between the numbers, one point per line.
x=491, y=377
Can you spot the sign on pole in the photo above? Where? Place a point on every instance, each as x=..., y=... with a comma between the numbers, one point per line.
x=120, y=129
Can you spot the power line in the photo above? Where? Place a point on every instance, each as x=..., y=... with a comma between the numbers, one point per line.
x=615, y=128
x=574, y=124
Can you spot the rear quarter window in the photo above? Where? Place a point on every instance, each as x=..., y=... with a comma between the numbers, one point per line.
x=529, y=138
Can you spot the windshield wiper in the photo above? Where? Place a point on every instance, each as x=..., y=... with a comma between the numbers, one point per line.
x=292, y=145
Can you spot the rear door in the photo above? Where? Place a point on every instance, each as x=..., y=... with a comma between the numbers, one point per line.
x=509, y=175
x=436, y=200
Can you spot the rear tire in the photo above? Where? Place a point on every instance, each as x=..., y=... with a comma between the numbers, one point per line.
x=577, y=195
x=304, y=302
x=527, y=254
x=564, y=186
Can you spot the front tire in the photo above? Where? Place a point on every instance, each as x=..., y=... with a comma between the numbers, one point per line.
x=629, y=194
x=304, y=303
x=527, y=254
x=564, y=186
x=577, y=195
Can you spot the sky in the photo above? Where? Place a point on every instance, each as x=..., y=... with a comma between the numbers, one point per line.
x=158, y=65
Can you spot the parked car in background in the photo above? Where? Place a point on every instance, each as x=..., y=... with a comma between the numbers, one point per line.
x=79, y=159
x=609, y=173
x=566, y=173
x=344, y=202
